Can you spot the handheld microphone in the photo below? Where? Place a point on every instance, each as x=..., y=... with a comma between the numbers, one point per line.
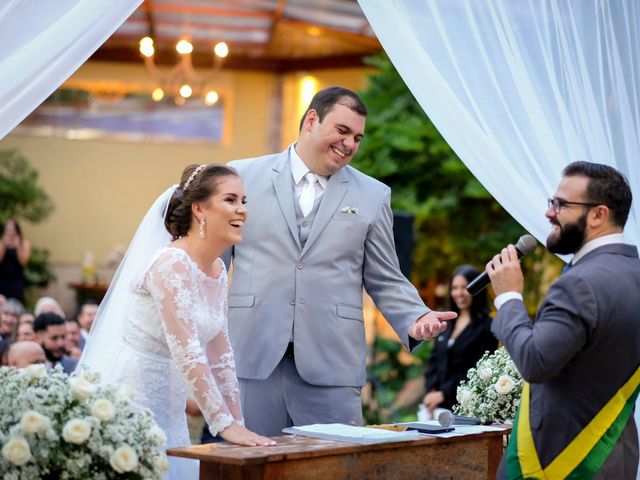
x=526, y=244
x=448, y=419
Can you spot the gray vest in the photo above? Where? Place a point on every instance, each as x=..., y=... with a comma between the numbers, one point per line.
x=305, y=223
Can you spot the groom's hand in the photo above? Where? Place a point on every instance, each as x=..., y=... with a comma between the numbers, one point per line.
x=430, y=325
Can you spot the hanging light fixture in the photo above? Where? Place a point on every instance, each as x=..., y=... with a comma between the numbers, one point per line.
x=182, y=81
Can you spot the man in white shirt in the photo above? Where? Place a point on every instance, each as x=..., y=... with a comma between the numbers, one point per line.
x=580, y=359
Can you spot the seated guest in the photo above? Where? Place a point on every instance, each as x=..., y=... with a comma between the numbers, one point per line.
x=46, y=305
x=23, y=332
x=8, y=320
x=72, y=340
x=460, y=346
x=51, y=333
x=26, y=317
x=23, y=354
x=86, y=315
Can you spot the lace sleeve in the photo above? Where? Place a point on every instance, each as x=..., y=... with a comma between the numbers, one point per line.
x=223, y=368
x=170, y=285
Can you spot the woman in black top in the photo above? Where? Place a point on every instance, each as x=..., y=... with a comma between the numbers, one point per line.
x=460, y=346
x=14, y=255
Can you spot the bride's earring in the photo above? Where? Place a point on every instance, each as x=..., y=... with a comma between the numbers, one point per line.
x=202, y=225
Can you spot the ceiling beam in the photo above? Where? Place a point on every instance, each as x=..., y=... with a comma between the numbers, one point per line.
x=240, y=63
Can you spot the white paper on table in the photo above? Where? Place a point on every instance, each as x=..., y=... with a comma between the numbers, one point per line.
x=352, y=434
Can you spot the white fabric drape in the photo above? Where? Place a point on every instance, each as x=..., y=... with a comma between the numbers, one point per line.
x=43, y=42
x=520, y=88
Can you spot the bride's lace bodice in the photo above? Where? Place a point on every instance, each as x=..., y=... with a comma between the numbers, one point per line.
x=179, y=314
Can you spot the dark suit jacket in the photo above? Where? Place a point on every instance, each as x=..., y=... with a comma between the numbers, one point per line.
x=448, y=366
x=583, y=346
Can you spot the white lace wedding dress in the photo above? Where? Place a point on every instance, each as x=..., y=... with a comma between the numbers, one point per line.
x=175, y=345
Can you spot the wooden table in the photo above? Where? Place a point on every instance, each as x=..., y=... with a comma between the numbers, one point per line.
x=304, y=458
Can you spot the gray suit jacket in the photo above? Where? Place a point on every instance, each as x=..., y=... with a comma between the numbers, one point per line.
x=583, y=346
x=316, y=290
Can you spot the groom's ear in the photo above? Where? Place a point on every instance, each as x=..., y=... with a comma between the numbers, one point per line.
x=310, y=119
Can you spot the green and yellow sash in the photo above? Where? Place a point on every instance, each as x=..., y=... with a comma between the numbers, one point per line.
x=586, y=453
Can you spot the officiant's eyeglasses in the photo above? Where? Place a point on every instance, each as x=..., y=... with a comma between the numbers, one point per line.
x=557, y=203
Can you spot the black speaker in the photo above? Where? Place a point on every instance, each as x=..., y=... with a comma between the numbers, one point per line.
x=403, y=235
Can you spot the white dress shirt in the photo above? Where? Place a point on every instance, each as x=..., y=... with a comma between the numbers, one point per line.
x=299, y=169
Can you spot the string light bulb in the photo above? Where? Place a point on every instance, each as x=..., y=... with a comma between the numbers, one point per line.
x=221, y=49
x=211, y=97
x=184, y=47
x=157, y=94
x=146, y=46
x=186, y=91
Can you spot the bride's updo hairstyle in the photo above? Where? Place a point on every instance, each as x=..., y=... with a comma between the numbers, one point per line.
x=197, y=183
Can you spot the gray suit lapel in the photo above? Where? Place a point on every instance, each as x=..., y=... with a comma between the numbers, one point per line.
x=336, y=189
x=282, y=181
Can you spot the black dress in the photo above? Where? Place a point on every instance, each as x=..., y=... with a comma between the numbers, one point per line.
x=12, y=280
x=448, y=366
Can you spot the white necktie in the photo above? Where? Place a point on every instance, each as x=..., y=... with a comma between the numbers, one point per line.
x=308, y=195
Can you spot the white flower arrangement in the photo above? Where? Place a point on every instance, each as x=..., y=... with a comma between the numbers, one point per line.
x=492, y=389
x=55, y=426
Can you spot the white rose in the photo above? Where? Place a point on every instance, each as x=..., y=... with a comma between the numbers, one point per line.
x=103, y=409
x=124, y=459
x=157, y=436
x=76, y=431
x=33, y=422
x=126, y=392
x=36, y=371
x=81, y=388
x=160, y=463
x=504, y=384
x=465, y=397
x=17, y=451
x=485, y=373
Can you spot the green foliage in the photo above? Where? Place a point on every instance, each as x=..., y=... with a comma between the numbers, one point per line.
x=20, y=194
x=387, y=374
x=37, y=271
x=457, y=221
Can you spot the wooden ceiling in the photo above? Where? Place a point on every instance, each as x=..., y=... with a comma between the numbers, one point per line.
x=270, y=35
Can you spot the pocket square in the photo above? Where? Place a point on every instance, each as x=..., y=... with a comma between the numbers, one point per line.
x=350, y=210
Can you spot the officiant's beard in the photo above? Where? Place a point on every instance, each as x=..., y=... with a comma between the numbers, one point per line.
x=570, y=236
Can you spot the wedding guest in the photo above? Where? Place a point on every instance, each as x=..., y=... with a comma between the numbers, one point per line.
x=25, y=353
x=458, y=348
x=15, y=251
x=24, y=331
x=48, y=305
x=8, y=320
x=580, y=357
x=26, y=317
x=86, y=315
x=51, y=333
x=72, y=339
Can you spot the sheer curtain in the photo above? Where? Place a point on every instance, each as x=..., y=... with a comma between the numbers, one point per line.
x=43, y=42
x=520, y=88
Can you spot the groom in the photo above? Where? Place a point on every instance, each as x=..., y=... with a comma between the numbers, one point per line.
x=319, y=232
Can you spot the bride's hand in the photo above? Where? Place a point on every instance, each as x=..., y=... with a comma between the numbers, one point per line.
x=239, y=435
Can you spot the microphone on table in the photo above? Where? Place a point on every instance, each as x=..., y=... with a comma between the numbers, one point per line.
x=448, y=419
x=526, y=244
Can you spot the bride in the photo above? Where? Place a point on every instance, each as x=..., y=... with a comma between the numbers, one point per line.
x=162, y=328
